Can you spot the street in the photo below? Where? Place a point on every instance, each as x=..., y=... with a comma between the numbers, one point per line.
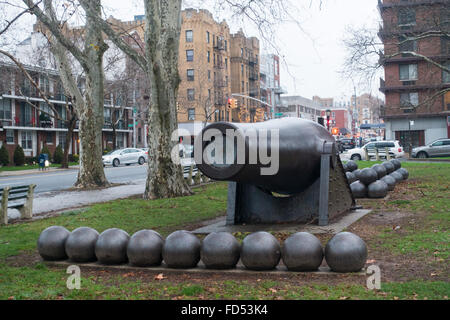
x=56, y=181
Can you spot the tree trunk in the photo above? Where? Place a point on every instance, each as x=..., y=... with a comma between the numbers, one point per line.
x=165, y=178
x=114, y=134
x=91, y=173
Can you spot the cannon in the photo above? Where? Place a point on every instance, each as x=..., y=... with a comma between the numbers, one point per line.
x=280, y=171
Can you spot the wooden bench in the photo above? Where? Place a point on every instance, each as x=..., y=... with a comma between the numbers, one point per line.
x=20, y=197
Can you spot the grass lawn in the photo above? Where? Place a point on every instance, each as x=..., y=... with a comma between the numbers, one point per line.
x=29, y=167
x=413, y=258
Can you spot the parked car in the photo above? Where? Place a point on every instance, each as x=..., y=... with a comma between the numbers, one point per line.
x=395, y=150
x=438, y=148
x=346, y=144
x=146, y=153
x=124, y=156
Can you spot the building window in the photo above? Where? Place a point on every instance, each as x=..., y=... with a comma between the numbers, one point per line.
x=406, y=17
x=27, y=140
x=120, y=141
x=409, y=99
x=9, y=136
x=190, y=55
x=209, y=74
x=139, y=135
x=208, y=57
x=242, y=52
x=191, y=114
x=407, y=45
x=207, y=36
x=243, y=86
x=49, y=138
x=226, y=45
x=445, y=74
x=408, y=72
x=445, y=45
x=242, y=70
x=62, y=139
x=5, y=109
x=190, y=74
x=226, y=63
x=209, y=94
x=189, y=36
x=191, y=94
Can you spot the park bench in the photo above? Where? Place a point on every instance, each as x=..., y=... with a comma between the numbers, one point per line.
x=20, y=197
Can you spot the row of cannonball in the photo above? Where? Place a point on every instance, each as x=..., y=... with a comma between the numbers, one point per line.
x=377, y=181
x=345, y=252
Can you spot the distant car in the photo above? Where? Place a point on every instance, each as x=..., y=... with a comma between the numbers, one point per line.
x=124, y=156
x=346, y=144
x=395, y=150
x=146, y=153
x=438, y=148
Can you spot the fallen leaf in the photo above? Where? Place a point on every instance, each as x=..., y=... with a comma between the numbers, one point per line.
x=371, y=261
x=343, y=298
x=395, y=298
x=11, y=298
x=160, y=277
x=273, y=290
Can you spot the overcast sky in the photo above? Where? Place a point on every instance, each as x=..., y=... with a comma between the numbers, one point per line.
x=313, y=54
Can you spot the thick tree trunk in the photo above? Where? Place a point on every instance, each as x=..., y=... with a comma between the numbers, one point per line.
x=91, y=173
x=165, y=178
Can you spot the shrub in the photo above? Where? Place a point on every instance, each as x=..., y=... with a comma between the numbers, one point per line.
x=74, y=158
x=58, y=155
x=4, y=156
x=45, y=150
x=19, y=156
x=107, y=149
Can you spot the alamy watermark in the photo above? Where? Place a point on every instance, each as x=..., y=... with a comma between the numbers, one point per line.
x=74, y=280
x=374, y=279
x=235, y=146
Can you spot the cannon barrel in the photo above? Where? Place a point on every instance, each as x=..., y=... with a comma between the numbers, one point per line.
x=296, y=144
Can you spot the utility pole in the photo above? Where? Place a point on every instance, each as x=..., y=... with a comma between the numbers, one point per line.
x=134, y=127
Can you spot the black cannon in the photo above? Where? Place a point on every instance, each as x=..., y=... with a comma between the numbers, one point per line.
x=281, y=171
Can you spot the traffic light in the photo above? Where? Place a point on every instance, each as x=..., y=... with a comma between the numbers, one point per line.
x=335, y=131
x=230, y=103
x=233, y=103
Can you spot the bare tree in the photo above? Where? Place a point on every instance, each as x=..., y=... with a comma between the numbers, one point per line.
x=89, y=106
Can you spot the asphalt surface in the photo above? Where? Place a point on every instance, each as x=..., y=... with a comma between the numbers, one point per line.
x=57, y=181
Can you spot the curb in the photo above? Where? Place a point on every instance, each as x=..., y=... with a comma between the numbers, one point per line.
x=33, y=171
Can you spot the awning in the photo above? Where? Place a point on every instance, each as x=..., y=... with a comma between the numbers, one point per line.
x=369, y=126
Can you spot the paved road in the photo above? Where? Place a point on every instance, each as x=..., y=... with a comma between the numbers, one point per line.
x=56, y=181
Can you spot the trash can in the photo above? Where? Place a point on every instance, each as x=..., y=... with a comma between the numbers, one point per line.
x=43, y=157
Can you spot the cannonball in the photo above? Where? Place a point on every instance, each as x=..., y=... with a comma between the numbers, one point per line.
x=80, y=245
x=302, y=252
x=220, y=250
x=346, y=252
x=368, y=175
x=344, y=165
x=111, y=246
x=260, y=251
x=357, y=173
x=404, y=172
x=350, y=177
x=380, y=170
x=359, y=189
x=145, y=248
x=51, y=243
x=181, y=250
x=397, y=164
x=377, y=189
x=352, y=166
x=389, y=167
x=390, y=181
x=397, y=176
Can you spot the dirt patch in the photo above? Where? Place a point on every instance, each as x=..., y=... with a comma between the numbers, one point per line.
x=23, y=260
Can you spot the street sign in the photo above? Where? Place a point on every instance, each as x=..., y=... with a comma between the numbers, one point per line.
x=278, y=114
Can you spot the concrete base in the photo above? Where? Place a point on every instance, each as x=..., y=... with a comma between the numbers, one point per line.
x=334, y=227
x=240, y=269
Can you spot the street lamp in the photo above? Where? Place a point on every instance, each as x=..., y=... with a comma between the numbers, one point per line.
x=328, y=113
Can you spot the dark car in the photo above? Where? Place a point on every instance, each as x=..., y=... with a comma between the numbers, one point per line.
x=347, y=143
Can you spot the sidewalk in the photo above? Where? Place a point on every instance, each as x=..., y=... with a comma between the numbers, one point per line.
x=56, y=201
x=33, y=171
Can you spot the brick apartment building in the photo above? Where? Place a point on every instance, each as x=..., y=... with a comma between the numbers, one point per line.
x=245, y=78
x=417, y=110
x=21, y=123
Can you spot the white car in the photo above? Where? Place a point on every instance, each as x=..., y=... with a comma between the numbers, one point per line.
x=395, y=150
x=124, y=156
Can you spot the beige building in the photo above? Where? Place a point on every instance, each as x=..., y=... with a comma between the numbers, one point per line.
x=245, y=75
x=204, y=67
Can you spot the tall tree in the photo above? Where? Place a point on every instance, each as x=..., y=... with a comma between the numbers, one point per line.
x=89, y=106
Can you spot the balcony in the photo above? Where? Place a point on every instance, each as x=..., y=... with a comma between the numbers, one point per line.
x=252, y=61
x=219, y=45
x=220, y=84
x=253, y=76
